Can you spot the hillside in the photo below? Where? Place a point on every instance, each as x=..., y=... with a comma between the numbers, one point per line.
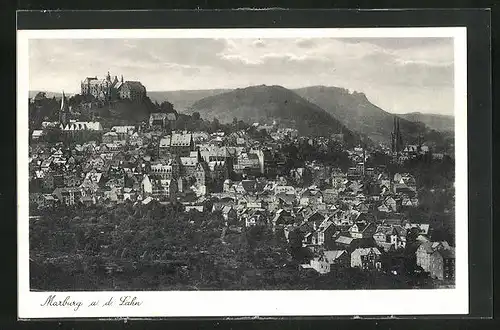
x=442, y=123
x=183, y=99
x=264, y=104
x=358, y=114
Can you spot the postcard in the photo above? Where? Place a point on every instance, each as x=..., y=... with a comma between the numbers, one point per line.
x=242, y=172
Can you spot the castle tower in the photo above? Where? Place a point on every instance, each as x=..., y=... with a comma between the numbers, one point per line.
x=63, y=111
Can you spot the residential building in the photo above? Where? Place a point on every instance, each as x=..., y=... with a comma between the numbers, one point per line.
x=366, y=258
x=329, y=259
x=440, y=265
x=362, y=230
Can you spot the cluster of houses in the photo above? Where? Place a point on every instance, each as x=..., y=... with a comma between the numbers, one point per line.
x=340, y=220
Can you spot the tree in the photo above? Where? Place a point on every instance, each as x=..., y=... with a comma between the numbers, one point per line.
x=196, y=116
x=53, y=135
x=166, y=107
x=215, y=125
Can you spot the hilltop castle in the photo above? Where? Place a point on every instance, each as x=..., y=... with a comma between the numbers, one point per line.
x=108, y=89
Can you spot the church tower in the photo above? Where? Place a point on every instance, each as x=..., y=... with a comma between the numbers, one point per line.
x=396, y=137
x=63, y=111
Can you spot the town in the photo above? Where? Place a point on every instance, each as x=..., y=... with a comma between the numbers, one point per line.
x=302, y=205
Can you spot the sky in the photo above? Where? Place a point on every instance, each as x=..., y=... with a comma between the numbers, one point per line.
x=400, y=75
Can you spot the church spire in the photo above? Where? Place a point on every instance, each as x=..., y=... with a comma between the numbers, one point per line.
x=62, y=100
x=63, y=111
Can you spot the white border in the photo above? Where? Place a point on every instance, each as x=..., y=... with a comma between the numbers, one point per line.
x=252, y=303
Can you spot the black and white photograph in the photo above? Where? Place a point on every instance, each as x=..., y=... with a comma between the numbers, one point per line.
x=243, y=162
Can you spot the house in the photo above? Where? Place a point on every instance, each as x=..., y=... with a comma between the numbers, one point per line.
x=344, y=241
x=181, y=144
x=362, y=230
x=37, y=134
x=315, y=218
x=434, y=263
x=280, y=189
x=158, y=120
x=254, y=217
x=198, y=208
x=165, y=171
x=311, y=197
x=282, y=217
x=442, y=264
x=247, y=163
x=69, y=195
x=330, y=196
x=366, y=258
x=391, y=204
x=123, y=132
x=114, y=194
x=388, y=237
x=423, y=228
x=395, y=219
x=158, y=188
x=325, y=233
x=110, y=137
x=129, y=194
x=163, y=189
x=329, y=259
x=362, y=207
x=135, y=140
x=284, y=200
x=229, y=214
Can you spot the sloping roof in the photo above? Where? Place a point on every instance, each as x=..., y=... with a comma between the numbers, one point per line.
x=37, y=133
x=386, y=230
x=189, y=161
x=180, y=139
x=93, y=177
x=82, y=125
x=158, y=116
x=111, y=134
x=122, y=129
x=226, y=209
x=423, y=227
x=165, y=142
x=366, y=251
x=344, y=240
x=331, y=256
x=287, y=198
x=426, y=246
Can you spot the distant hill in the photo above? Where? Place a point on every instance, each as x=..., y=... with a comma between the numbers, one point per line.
x=358, y=114
x=264, y=104
x=442, y=123
x=49, y=95
x=183, y=99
